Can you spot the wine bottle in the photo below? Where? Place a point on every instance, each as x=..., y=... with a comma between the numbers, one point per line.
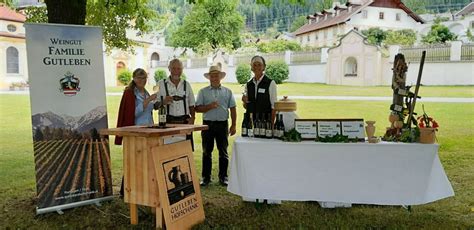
x=263, y=125
x=244, y=126
x=268, y=128
x=162, y=114
x=250, y=126
x=276, y=127
x=256, y=126
x=282, y=127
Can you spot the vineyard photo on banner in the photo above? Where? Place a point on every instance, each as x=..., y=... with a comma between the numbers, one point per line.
x=68, y=108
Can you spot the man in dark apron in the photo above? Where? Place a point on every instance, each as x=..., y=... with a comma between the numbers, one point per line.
x=260, y=93
x=178, y=97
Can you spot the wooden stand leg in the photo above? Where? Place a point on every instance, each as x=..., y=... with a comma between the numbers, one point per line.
x=133, y=214
x=159, y=217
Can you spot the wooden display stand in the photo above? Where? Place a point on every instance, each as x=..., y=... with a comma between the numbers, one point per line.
x=146, y=175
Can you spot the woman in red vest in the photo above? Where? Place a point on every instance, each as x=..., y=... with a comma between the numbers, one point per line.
x=136, y=105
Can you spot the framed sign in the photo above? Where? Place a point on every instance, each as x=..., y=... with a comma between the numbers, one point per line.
x=178, y=185
x=353, y=129
x=307, y=128
x=329, y=128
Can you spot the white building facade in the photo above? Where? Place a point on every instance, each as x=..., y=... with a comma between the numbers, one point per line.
x=325, y=28
x=13, y=67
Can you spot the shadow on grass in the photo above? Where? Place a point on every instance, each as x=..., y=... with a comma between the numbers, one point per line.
x=227, y=211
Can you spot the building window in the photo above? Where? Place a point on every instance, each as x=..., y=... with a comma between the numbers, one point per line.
x=155, y=58
x=364, y=14
x=381, y=15
x=308, y=38
x=397, y=16
x=12, y=60
x=11, y=28
x=315, y=37
x=350, y=67
x=301, y=39
x=472, y=24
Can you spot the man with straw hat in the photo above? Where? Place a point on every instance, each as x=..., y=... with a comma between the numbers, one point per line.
x=215, y=101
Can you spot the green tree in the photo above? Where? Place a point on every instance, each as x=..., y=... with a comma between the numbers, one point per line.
x=277, y=71
x=114, y=16
x=36, y=14
x=213, y=23
x=469, y=35
x=272, y=31
x=275, y=46
x=124, y=77
x=439, y=33
x=400, y=37
x=243, y=73
x=375, y=35
x=417, y=6
x=323, y=4
x=160, y=74
x=9, y=3
x=299, y=22
x=269, y=2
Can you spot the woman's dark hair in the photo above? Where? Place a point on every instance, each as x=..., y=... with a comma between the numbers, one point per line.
x=137, y=72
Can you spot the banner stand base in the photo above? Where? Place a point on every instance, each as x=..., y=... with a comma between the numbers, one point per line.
x=59, y=209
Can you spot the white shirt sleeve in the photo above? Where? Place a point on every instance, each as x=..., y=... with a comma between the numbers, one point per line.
x=273, y=93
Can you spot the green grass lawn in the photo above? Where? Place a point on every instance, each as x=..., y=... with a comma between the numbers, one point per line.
x=227, y=211
x=316, y=89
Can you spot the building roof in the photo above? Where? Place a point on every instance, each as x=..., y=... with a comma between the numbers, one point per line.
x=345, y=13
x=11, y=15
x=6, y=34
x=468, y=9
x=364, y=38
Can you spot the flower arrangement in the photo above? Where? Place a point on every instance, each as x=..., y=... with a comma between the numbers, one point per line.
x=428, y=127
x=425, y=121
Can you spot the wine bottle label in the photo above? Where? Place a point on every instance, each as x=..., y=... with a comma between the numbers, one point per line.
x=280, y=133
x=276, y=133
x=269, y=133
x=256, y=131
x=250, y=132
x=244, y=131
x=162, y=118
x=262, y=132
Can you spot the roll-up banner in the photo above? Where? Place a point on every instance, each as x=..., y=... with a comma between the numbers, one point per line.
x=68, y=107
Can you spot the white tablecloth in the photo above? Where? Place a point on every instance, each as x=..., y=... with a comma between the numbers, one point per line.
x=359, y=173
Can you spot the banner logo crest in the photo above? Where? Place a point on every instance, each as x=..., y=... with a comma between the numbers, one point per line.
x=69, y=84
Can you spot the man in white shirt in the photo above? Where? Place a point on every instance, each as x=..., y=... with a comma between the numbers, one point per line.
x=260, y=92
x=177, y=96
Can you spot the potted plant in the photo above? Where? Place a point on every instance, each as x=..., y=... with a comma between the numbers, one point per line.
x=428, y=127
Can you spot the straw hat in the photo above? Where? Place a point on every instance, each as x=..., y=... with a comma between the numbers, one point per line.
x=215, y=69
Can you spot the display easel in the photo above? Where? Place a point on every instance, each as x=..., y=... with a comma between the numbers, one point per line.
x=141, y=149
